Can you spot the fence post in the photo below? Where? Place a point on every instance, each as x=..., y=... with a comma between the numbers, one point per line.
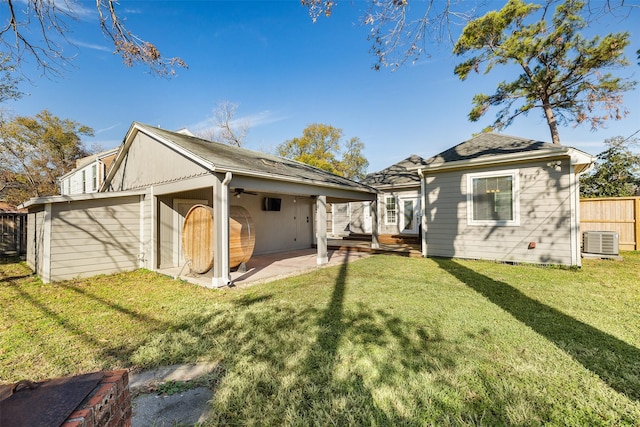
x=636, y=218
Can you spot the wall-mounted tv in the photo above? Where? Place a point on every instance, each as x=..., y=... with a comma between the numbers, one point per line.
x=271, y=204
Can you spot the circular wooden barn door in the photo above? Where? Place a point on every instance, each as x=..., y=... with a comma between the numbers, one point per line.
x=197, y=237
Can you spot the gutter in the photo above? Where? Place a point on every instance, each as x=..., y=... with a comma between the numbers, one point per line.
x=497, y=159
x=35, y=201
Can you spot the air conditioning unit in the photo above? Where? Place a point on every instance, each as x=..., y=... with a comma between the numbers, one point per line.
x=600, y=242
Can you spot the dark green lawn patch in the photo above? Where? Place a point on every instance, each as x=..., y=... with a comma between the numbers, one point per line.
x=381, y=341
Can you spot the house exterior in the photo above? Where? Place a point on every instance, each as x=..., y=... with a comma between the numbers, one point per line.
x=494, y=197
x=88, y=175
x=135, y=219
x=398, y=200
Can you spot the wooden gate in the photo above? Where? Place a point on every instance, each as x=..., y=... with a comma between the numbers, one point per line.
x=13, y=233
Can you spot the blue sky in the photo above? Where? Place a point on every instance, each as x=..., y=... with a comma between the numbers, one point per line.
x=285, y=72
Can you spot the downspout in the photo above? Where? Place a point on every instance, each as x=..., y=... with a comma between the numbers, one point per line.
x=423, y=213
x=225, y=229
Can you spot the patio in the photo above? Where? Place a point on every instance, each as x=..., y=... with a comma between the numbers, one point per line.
x=266, y=268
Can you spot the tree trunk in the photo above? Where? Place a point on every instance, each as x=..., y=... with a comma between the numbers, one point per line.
x=551, y=121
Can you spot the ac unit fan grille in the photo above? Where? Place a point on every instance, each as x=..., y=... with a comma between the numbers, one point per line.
x=600, y=242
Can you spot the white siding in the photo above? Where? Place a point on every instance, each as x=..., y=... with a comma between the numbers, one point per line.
x=545, y=215
x=83, y=180
x=95, y=237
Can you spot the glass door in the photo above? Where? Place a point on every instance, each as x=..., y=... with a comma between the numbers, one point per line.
x=409, y=215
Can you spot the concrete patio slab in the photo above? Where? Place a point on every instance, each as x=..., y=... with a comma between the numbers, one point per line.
x=266, y=268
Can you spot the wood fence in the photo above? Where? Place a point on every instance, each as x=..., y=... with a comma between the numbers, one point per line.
x=13, y=233
x=621, y=214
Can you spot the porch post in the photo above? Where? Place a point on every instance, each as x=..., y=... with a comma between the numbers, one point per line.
x=220, y=232
x=321, y=229
x=375, y=243
x=423, y=213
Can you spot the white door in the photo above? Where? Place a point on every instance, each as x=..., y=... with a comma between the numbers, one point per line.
x=367, y=216
x=409, y=215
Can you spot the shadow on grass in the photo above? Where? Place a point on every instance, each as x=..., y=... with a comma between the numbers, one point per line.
x=613, y=360
x=320, y=365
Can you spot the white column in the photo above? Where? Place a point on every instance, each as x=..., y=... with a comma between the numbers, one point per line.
x=45, y=273
x=375, y=243
x=321, y=229
x=220, y=232
x=423, y=212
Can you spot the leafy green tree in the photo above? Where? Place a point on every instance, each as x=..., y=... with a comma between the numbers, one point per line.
x=36, y=151
x=617, y=171
x=320, y=146
x=561, y=71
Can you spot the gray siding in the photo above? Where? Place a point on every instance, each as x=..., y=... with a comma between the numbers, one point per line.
x=35, y=240
x=340, y=219
x=148, y=162
x=356, y=224
x=385, y=228
x=94, y=237
x=545, y=215
x=289, y=229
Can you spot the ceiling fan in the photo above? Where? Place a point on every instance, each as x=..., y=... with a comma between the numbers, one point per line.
x=239, y=191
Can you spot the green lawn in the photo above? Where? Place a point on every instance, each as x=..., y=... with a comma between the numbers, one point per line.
x=381, y=341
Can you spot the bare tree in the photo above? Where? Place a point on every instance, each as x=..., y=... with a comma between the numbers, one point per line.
x=38, y=29
x=226, y=128
x=232, y=131
x=403, y=30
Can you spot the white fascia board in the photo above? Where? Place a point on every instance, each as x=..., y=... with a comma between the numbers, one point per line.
x=412, y=186
x=580, y=157
x=78, y=197
x=495, y=160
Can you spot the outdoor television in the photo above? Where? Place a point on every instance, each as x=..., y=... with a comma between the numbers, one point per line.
x=271, y=204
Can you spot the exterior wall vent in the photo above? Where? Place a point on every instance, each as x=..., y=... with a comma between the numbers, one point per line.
x=600, y=242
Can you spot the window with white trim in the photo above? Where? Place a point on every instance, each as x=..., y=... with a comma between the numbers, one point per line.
x=391, y=216
x=94, y=177
x=492, y=198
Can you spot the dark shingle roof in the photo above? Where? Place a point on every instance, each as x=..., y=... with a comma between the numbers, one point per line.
x=399, y=174
x=228, y=158
x=483, y=147
x=487, y=145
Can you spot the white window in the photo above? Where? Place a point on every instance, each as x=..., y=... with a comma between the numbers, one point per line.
x=493, y=198
x=84, y=181
x=94, y=177
x=391, y=209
